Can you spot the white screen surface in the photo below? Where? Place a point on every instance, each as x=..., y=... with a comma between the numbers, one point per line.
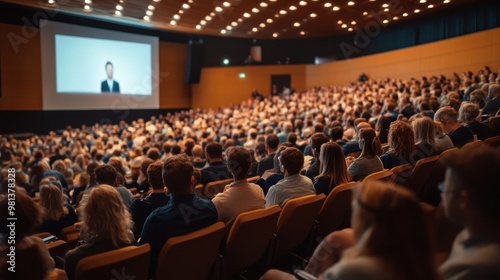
x=74, y=69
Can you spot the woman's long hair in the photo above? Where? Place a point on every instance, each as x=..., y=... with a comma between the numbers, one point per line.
x=389, y=224
x=105, y=216
x=52, y=202
x=332, y=164
x=425, y=131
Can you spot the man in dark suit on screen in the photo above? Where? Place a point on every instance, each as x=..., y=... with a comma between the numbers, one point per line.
x=110, y=85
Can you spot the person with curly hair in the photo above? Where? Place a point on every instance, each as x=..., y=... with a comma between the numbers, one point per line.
x=401, y=145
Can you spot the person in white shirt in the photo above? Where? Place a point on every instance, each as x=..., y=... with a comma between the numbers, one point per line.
x=293, y=185
x=240, y=196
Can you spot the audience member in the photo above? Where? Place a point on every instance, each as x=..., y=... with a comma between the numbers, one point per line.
x=401, y=145
x=216, y=169
x=468, y=115
x=56, y=213
x=293, y=185
x=266, y=163
x=458, y=134
x=368, y=161
x=106, y=174
x=333, y=168
x=317, y=139
x=240, y=196
x=493, y=105
x=470, y=199
x=184, y=212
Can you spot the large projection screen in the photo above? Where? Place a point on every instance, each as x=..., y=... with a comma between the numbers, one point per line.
x=86, y=68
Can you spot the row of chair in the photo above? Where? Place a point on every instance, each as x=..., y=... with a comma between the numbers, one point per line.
x=210, y=190
x=259, y=238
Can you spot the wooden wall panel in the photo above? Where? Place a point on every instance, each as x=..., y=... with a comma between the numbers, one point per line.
x=174, y=92
x=21, y=70
x=466, y=53
x=221, y=86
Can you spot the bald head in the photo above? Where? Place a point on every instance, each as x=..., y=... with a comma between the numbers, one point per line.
x=494, y=91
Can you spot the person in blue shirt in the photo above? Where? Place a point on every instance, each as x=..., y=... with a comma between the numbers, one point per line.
x=184, y=213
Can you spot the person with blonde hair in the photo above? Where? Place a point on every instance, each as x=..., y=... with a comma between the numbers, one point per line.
x=458, y=134
x=443, y=141
x=424, y=129
x=106, y=226
x=392, y=239
x=56, y=213
x=368, y=161
x=332, y=169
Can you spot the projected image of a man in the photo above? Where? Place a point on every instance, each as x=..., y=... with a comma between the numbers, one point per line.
x=110, y=85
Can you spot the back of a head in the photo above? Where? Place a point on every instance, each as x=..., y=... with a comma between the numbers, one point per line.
x=292, y=160
x=494, y=90
x=176, y=149
x=425, y=130
x=197, y=151
x=154, y=172
x=260, y=149
x=276, y=162
x=475, y=170
x=370, y=143
x=401, y=139
x=383, y=214
x=177, y=173
x=446, y=115
x=239, y=161
x=272, y=141
x=468, y=112
x=337, y=133
x=105, y=216
x=28, y=214
x=292, y=138
x=332, y=163
x=153, y=153
x=318, y=139
x=105, y=174
x=214, y=150
x=52, y=202
x=145, y=164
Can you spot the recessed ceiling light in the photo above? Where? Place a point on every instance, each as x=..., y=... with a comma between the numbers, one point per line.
x=302, y=3
x=344, y=25
x=151, y=7
x=353, y=22
x=51, y=2
x=88, y=2
x=423, y=1
x=275, y=35
x=240, y=20
x=176, y=17
x=365, y=13
x=149, y=13
x=186, y=6
x=385, y=21
x=87, y=8
x=212, y=14
x=255, y=10
x=223, y=31
x=202, y=22
x=405, y=14
x=336, y=8
x=263, y=4
x=297, y=24
x=229, y=27
x=283, y=12
x=247, y=15
x=276, y=15
x=198, y=27
x=339, y=22
x=351, y=3
x=385, y=5
x=234, y=23
x=180, y=12
x=226, y=4
x=269, y=20
x=218, y=9
x=328, y=5
x=313, y=15
x=430, y=6
x=208, y=18
x=446, y=1
x=386, y=9
x=255, y=29
x=173, y=22
x=146, y=18
x=350, y=29
x=190, y=1
x=262, y=25
x=302, y=33
x=118, y=13
x=293, y=8
x=417, y=11
x=395, y=18
x=157, y=1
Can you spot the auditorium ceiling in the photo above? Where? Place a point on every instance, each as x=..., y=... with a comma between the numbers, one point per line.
x=253, y=19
